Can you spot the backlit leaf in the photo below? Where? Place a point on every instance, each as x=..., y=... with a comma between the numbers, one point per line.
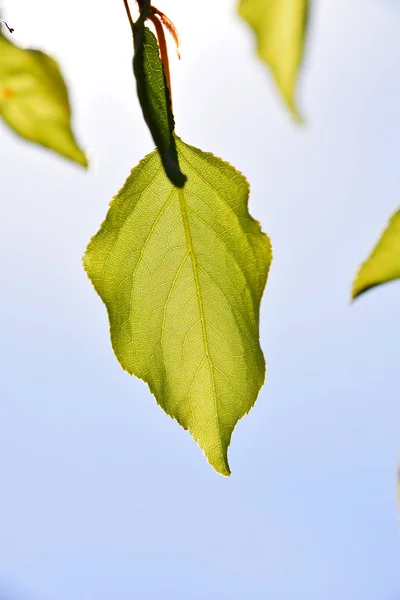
x=182, y=272
x=155, y=100
x=280, y=27
x=34, y=100
x=383, y=264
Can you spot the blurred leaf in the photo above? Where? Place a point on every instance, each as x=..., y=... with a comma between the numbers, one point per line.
x=182, y=272
x=383, y=264
x=34, y=100
x=155, y=100
x=280, y=27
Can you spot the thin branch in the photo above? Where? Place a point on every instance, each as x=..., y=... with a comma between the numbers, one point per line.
x=129, y=14
x=10, y=29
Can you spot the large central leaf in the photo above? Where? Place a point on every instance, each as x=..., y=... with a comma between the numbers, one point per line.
x=182, y=272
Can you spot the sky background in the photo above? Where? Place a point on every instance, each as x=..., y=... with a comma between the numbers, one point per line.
x=102, y=496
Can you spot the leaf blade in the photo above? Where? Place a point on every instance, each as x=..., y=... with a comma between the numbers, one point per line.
x=34, y=100
x=383, y=264
x=183, y=294
x=155, y=100
x=280, y=27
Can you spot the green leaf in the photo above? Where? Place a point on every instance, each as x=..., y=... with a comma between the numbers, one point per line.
x=182, y=272
x=280, y=27
x=155, y=100
x=383, y=264
x=34, y=100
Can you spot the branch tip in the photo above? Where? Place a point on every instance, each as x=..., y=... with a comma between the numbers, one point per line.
x=10, y=29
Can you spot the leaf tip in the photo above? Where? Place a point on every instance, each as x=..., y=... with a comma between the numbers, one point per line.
x=289, y=98
x=355, y=293
x=360, y=289
x=298, y=117
x=221, y=466
x=83, y=161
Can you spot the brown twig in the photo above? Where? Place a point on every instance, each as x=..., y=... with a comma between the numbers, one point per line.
x=129, y=14
x=166, y=21
x=10, y=29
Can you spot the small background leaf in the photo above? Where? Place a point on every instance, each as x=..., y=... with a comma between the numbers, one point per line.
x=280, y=28
x=383, y=264
x=155, y=100
x=34, y=100
x=182, y=272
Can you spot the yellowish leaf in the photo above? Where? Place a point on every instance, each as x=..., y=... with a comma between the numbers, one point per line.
x=383, y=264
x=280, y=28
x=34, y=100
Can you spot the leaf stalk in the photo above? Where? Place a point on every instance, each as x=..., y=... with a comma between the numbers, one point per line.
x=128, y=13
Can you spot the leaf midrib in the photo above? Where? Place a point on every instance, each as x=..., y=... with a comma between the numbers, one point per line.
x=189, y=240
x=244, y=234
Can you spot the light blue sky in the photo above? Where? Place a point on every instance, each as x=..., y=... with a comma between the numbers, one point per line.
x=102, y=495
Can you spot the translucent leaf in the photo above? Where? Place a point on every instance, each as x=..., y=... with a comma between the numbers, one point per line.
x=280, y=28
x=155, y=100
x=383, y=264
x=182, y=272
x=34, y=100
